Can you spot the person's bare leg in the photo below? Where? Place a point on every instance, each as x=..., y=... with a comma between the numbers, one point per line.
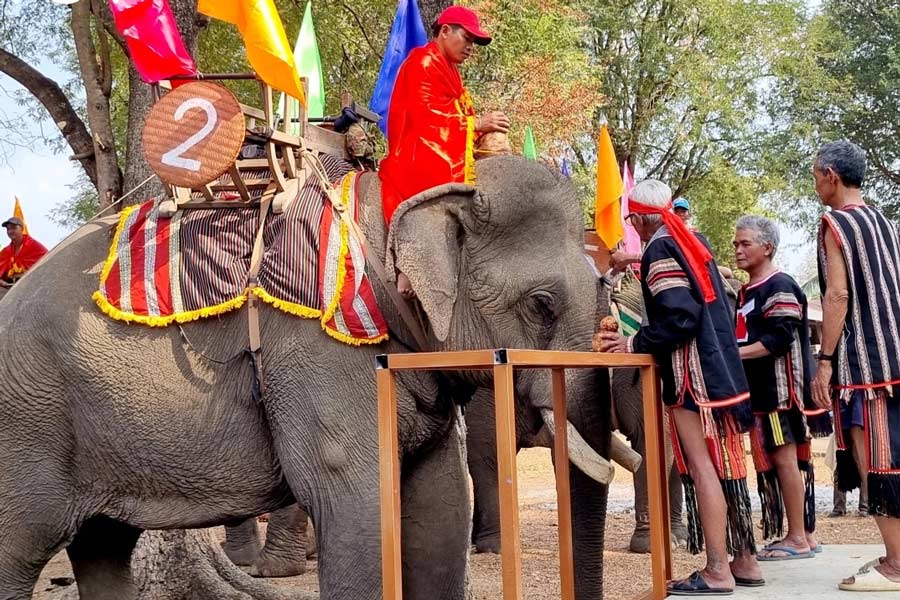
x=792, y=490
x=890, y=533
x=889, y=565
x=744, y=565
x=710, y=498
x=860, y=443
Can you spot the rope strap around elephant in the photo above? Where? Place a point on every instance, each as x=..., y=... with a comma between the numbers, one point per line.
x=411, y=322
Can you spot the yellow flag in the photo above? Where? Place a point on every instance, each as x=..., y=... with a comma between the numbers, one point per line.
x=607, y=210
x=267, y=46
x=17, y=212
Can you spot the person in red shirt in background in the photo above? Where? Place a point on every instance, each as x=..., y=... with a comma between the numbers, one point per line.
x=21, y=254
x=432, y=126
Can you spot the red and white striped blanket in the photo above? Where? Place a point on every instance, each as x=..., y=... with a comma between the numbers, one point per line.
x=195, y=264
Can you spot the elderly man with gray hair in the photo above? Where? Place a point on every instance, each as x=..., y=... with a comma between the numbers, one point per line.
x=859, y=363
x=689, y=329
x=772, y=331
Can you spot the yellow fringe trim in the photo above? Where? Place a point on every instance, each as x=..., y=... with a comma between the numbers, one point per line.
x=156, y=321
x=342, y=337
x=292, y=308
x=283, y=305
x=470, y=151
x=114, y=247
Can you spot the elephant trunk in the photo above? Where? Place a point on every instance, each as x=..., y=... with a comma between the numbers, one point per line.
x=589, y=413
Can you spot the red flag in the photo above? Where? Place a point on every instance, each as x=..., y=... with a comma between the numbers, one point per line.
x=154, y=43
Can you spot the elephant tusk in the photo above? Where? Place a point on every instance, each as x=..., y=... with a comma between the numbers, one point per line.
x=580, y=453
x=622, y=454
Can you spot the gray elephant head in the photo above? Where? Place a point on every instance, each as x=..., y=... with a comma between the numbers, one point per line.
x=504, y=266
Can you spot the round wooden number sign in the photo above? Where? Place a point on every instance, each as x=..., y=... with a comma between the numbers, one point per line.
x=193, y=134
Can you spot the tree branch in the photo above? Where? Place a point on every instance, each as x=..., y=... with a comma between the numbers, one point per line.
x=58, y=105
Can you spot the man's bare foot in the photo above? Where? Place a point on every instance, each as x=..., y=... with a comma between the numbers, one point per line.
x=744, y=566
x=404, y=286
x=889, y=569
x=811, y=541
x=786, y=548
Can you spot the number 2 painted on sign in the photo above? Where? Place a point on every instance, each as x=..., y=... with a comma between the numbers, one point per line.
x=174, y=157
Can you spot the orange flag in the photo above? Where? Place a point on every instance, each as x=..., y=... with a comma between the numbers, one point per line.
x=607, y=211
x=17, y=212
x=267, y=47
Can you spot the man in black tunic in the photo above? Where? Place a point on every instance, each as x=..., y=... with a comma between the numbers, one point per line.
x=690, y=329
x=773, y=335
x=859, y=362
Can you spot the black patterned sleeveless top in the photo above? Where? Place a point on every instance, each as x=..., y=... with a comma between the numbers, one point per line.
x=868, y=354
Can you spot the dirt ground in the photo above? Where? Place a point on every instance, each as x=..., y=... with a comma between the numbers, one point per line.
x=626, y=574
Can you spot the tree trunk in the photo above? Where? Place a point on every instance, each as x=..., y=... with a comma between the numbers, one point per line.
x=97, y=76
x=57, y=104
x=190, y=565
x=140, y=99
x=430, y=11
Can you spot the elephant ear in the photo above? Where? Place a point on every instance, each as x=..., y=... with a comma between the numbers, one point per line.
x=426, y=244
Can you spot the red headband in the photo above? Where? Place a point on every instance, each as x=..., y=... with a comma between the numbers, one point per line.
x=694, y=251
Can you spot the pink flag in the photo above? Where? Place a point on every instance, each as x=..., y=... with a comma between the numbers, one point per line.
x=154, y=43
x=630, y=240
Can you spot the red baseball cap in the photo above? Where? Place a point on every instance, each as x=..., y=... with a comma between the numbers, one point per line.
x=467, y=19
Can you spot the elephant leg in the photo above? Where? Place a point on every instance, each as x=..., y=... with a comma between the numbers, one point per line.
x=284, y=554
x=25, y=549
x=101, y=559
x=435, y=523
x=481, y=450
x=243, y=542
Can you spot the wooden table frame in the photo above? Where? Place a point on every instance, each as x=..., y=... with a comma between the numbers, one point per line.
x=503, y=362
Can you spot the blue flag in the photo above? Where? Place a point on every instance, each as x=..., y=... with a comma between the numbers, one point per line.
x=407, y=33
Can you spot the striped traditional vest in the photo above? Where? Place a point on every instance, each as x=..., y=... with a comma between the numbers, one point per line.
x=868, y=354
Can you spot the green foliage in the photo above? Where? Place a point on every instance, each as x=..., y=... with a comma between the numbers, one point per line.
x=718, y=199
x=840, y=79
x=683, y=80
x=534, y=69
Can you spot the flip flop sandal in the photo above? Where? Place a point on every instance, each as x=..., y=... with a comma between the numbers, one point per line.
x=747, y=582
x=818, y=549
x=870, y=580
x=695, y=585
x=792, y=554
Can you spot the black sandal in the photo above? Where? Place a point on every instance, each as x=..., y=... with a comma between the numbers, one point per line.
x=695, y=585
x=748, y=582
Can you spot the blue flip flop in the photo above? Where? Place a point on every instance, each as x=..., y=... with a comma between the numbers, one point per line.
x=818, y=549
x=792, y=554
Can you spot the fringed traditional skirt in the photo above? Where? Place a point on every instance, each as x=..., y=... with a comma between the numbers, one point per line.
x=881, y=424
x=771, y=431
x=725, y=442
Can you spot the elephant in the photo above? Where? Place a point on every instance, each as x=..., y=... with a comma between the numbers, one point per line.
x=628, y=418
x=111, y=429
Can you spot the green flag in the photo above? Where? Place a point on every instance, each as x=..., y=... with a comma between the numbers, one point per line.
x=530, y=150
x=309, y=65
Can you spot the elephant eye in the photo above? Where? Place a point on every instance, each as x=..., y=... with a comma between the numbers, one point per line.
x=543, y=306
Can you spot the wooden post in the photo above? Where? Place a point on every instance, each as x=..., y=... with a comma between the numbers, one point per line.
x=657, y=480
x=511, y=551
x=389, y=465
x=563, y=493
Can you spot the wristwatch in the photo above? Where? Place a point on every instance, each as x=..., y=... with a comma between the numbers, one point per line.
x=825, y=357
